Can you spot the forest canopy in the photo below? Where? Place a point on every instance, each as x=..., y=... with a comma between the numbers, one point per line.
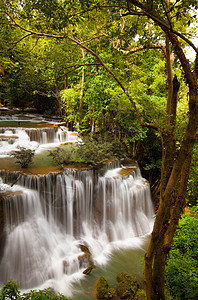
x=120, y=67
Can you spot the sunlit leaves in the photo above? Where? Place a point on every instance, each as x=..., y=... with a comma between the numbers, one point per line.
x=182, y=277
x=71, y=98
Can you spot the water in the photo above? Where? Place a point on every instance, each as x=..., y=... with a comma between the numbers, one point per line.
x=36, y=134
x=48, y=217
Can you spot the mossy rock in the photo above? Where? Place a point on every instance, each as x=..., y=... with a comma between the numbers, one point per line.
x=86, y=259
x=141, y=294
x=103, y=291
x=89, y=269
x=127, y=286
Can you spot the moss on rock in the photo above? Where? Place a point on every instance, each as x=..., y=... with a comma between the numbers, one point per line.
x=127, y=286
x=89, y=269
x=103, y=291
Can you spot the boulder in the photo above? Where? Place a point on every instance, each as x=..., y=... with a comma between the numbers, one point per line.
x=104, y=291
x=86, y=258
x=89, y=269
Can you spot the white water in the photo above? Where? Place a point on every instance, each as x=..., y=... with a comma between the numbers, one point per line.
x=55, y=213
x=48, y=217
x=34, y=138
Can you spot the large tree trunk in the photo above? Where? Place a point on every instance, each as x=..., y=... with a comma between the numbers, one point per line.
x=175, y=164
x=155, y=258
x=172, y=188
x=172, y=203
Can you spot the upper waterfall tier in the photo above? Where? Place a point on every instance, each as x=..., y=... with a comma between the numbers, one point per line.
x=34, y=138
x=32, y=131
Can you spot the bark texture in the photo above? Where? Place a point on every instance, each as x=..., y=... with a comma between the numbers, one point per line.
x=175, y=163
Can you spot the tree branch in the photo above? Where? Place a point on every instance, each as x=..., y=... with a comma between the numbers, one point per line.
x=139, y=48
x=167, y=14
x=165, y=26
x=17, y=42
x=81, y=44
x=93, y=38
x=32, y=32
x=150, y=46
x=74, y=66
x=118, y=81
x=195, y=72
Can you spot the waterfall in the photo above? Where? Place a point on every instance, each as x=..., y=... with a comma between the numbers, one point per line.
x=42, y=135
x=34, y=138
x=48, y=217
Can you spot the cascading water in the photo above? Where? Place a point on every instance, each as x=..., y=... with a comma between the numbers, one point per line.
x=34, y=138
x=40, y=137
x=48, y=217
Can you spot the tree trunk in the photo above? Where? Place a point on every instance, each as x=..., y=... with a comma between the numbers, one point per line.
x=172, y=203
x=82, y=89
x=175, y=164
x=172, y=165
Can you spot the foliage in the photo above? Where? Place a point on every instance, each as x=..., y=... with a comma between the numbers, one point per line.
x=181, y=270
x=62, y=156
x=70, y=99
x=95, y=152
x=148, y=153
x=192, y=189
x=127, y=286
x=43, y=294
x=23, y=156
x=11, y=291
x=140, y=294
x=33, y=71
x=107, y=33
x=103, y=291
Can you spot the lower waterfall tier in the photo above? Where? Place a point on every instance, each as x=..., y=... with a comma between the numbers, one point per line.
x=49, y=219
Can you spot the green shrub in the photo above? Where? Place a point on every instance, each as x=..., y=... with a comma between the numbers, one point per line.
x=11, y=291
x=94, y=152
x=23, y=156
x=62, y=156
x=182, y=264
x=127, y=286
x=140, y=294
x=103, y=291
x=42, y=295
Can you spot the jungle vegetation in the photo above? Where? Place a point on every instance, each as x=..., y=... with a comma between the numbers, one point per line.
x=117, y=67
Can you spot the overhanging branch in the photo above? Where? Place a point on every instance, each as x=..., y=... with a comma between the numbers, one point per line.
x=81, y=44
x=164, y=25
x=74, y=67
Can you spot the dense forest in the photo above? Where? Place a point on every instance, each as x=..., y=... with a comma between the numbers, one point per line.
x=124, y=71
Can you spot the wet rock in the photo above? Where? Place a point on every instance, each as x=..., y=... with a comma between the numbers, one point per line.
x=86, y=260
x=85, y=249
x=65, y=266
x=89, y=269
x=127, y=286
x=104, y=291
